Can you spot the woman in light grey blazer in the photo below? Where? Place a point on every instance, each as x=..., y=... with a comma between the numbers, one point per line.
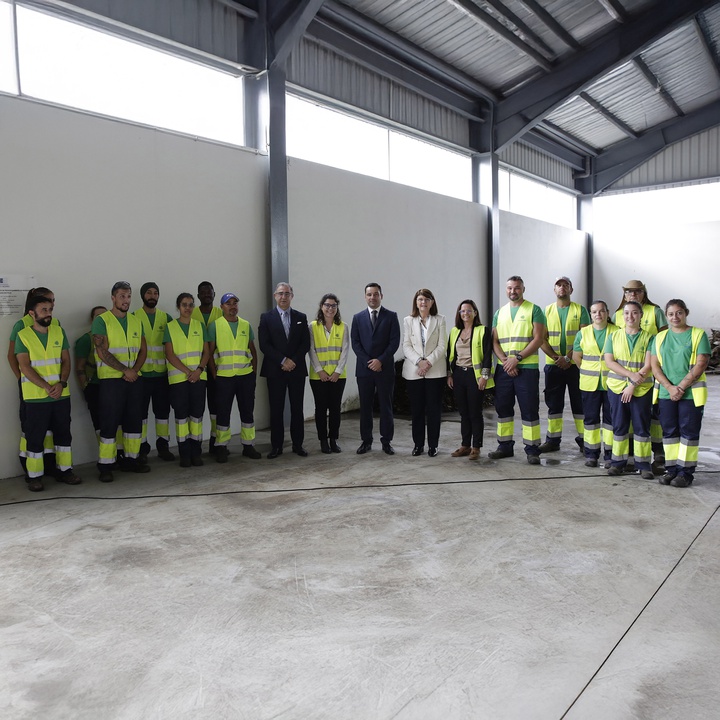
x=425, y=369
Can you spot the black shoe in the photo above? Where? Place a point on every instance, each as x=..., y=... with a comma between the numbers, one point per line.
x=165, y=454
x=221, y=453
x=249, y=451
x=145, y=449
x=197, y=461
x=615, y=471
x=418, y=450
x=364, y=448
x=133, y=465
x=325, y=447
x=607, y=464
x=300, y=450
x=388, y=449
x=335, y=447
x=681, y=481
x=137, y=467
x=432, y=452
x=658, y=466
x=647, y=474
x=591, y=463
x=629, y=469
x=185, y=462
x=500, y=454
x=106, y=476
x=549, y=447
x=141, y=459
x=275, y=452
x=580, y=443
x=533, y=459
x=667, y=478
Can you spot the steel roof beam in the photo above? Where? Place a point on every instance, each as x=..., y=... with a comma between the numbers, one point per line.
x=472, y=11
x=614, y=119
x=239, y=8
x=551, y=23
x=525, y=30
x=528, y=106
x=290, y=29
x=554, y=148
x=619, y=160
x=657, y=86
x=570, y=140
x=615, y=10
x=704, y=36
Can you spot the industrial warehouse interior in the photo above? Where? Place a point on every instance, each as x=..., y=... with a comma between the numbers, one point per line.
x=441, y=144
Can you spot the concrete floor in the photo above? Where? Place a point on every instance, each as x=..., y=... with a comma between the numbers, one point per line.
x=374, y=587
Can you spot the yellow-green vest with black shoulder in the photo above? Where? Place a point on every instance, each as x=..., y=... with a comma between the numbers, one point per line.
x=554, y=328
x=232, y=354
x=155, y=358
x=187, y=348
x=593, y=360
x=514, y=335
x=476, y=351
x=327, y=348
x=647, y=321
x=699, y=387
x=215, y=313
x=124, y=346
x=630, y=361
x=45, y=361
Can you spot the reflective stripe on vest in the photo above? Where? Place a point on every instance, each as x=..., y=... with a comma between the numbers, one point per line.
x=699, y=387
x=45, y=361
x=327, y=349
x=125, y=347
x=476, y=351
x=232, y=354
x=155, y=359
x=554, y=328
x=513, y=336
x=647, y=321
x=187, y=348
x=593, y=361
x=633, y=362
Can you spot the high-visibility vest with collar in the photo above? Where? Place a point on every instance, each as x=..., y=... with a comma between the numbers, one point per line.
x=187, y=348
x=554, y=328
x=125, y=347
x=514, y=335
x=215, y=313
x=593, y=360
x=327, y=348
x=647, y=321
x=45, y=361
x=155, y=359
x=232, y=353
x=699, y=387
x=476, y=351
x=630, y=361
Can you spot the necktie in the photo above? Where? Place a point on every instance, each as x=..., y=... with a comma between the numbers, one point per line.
x=286, y=322
x=374, y=318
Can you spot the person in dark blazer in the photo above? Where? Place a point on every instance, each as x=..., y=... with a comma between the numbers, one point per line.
x=375, y=336
x=284, y=339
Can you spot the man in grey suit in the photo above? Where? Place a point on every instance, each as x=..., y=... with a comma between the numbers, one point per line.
x=375, y=337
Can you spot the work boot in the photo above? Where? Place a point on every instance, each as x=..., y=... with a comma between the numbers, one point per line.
x=549, y=446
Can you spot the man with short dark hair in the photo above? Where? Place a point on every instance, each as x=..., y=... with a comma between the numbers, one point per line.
x=120, y=352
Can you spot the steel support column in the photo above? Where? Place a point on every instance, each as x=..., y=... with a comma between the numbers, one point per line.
x=277, y=186
x=585, y=224
x=489, y=167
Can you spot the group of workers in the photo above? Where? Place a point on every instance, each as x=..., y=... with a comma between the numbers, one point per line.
x=636, y=383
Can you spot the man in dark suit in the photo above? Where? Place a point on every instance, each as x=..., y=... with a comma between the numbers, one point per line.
x=284, y=339
x=375, y=337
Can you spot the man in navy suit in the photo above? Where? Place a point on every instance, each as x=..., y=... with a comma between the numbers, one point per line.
x=375, y=337
x=284, y=339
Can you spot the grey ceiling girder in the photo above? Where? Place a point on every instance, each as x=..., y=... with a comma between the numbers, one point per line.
x=548, y=145
x=551, y=23
x=239, y=8
x=391, y=67
x=470, y=9
x=570, y=140
x=526, y=107
x=614, y=119
x=287, y=34
x=703, y=34
x=654, y=81
x=615, y=10
x=619, y=160
x=522, y=26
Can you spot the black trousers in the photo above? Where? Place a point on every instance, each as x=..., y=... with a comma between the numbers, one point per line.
x=92, y=398
x=294, y=388
x=240, y=388
x=426, y=409
x=121, y=405
x=44, y=417
x=157, y=390
x=383, y=383
x=328, y=401
x=469, y=402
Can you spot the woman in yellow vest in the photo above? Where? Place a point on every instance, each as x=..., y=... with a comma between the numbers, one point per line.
x=187, y=352
x=679, y=357
x=469, y=358
x=629, y=384
x=329, y=347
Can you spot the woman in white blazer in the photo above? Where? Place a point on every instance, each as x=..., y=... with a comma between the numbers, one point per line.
x=425, y=369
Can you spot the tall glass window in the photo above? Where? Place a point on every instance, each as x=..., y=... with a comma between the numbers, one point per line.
x=8, y=74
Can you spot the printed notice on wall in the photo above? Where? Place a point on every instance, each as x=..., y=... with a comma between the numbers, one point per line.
x=13, y=292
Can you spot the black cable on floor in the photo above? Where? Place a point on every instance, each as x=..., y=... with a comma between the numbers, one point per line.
x=637, y=617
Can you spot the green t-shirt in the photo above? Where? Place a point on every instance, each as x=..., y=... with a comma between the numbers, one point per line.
x=676, y=353
x=212, y=335
x=25, y=321
x=186, y=330
x=563, y=313
x=43, y=337
x=600, y=336
x=632, y=341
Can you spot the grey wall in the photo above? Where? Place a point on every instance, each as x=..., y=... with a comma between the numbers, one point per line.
x=86, y=201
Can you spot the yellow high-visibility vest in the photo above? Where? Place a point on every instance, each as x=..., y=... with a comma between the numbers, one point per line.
x=327, y=348
x=630, y=361
x=514, y=335
x=593, y=361
x=476, y=351
x=187, y=348
x=155, y=359
x=124, y=346
x=232, y=353
x=699, y=387
x=554, y=328
x=45, y=361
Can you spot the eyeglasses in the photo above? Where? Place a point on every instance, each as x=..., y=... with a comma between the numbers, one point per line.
x=283, y=294
x=330, y=306
x=632, y=292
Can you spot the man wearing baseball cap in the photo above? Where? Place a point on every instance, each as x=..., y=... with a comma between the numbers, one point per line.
x=564, y=320
x=233, y=364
